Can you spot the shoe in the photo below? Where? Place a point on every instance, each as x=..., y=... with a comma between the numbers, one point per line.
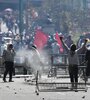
x=4, y=80
x=11, y=81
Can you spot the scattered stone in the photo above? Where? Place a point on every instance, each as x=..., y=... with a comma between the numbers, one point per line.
x=7, y=86
x=42, y=98
x=37, y=93
x=83, y=97
x=15, y=92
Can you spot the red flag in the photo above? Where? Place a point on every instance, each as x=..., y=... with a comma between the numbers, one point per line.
x=40, y=39
x=59, y=42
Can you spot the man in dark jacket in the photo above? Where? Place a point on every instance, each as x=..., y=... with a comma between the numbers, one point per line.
x=87, y=59
x=8, y=60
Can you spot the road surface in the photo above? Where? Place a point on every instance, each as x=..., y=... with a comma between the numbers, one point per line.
x=19, y=90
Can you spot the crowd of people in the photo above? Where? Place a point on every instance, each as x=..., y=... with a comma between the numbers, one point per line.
x=52, y=46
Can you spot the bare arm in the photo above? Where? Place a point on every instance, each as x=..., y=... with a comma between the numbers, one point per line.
x=67, y=48
x=79, y=50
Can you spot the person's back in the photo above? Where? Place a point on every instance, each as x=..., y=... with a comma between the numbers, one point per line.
x=73, y=61
x=87, y=56
x=87, y=59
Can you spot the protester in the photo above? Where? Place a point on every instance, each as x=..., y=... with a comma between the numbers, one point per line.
x=87, y=60
x=8, y=61
x=73, y=61
x=38, y=64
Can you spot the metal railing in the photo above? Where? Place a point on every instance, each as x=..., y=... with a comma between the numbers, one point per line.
x=56, y=62
x=61, y=62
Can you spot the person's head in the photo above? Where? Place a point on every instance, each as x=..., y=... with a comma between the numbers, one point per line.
x=87, y=40
x=34, y=46
x=10, y=46
x=73, y=47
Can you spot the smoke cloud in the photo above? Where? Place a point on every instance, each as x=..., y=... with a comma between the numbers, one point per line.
x=31, y=59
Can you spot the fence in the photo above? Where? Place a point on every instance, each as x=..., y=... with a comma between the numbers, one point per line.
x=57, y=62
x=18, y=65
x=57, y=86
x=49, y=84
x=60, y=62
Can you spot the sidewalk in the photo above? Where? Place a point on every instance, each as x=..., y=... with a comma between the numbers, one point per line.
x=19, y=90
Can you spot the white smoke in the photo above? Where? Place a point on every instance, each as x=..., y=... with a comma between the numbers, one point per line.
x=31, y=59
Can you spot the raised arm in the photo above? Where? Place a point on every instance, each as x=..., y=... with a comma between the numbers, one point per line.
x=79, y=50
x=67, y=48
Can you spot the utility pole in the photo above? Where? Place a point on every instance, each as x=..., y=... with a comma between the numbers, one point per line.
x=27, y=14
x=21, y=16
x=21, y=19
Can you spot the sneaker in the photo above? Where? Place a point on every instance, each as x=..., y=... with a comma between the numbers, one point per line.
x=4, y=80
x=11, y=81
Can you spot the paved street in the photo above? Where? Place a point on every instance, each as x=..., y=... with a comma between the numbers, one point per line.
x=19, y=90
